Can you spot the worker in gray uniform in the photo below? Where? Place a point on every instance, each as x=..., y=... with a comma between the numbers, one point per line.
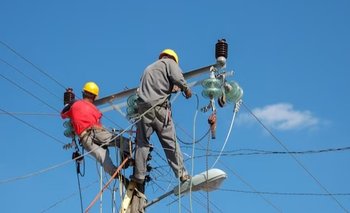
x=159, y=80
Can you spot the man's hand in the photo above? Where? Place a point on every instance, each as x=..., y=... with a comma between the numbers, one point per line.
x=188, y=93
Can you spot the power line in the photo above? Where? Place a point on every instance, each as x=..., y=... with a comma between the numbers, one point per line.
x=252, y=188
x=31, y=63
x=31, y=114
x=295, y=158
x=32, y=126
x=236, y=174
x=67, y=197
x=28, y=92
x=31, y=79
x=284, y=193
x=35, y=173
x=266, y=152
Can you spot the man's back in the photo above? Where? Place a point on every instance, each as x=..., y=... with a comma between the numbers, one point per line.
x=158, y=80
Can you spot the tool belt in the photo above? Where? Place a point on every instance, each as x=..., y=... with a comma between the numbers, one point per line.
x=88, y=130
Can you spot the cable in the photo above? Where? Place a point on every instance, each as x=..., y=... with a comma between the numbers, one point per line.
x=34, y=173
x=296, y=159
x=207, y=173
x=80, y=195
x=285, y=193
x=30, y=125
x=229, y=132
x=252, y=188
x=31, y=79
x=42, y=71
x=67, y=198
x=31, y=113
x=193, y=147
x=249, y=152
x=36, y=67
x=25, y=90
x=194, y=142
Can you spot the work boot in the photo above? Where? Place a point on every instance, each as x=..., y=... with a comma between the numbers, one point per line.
x=140, y=184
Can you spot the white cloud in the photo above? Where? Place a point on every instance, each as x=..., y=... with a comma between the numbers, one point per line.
x=283, y=116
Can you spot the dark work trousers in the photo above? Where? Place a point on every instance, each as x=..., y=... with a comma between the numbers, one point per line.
x=157, y=120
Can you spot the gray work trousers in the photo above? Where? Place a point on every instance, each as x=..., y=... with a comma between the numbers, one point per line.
x=93, y=140
x=157, y=120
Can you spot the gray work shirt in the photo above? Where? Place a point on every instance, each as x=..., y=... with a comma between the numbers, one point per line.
x=158, y=80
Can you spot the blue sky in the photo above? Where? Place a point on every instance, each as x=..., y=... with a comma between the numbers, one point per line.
x=290, y=57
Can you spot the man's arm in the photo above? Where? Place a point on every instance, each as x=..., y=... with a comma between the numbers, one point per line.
x=65, y=111
x=175, y=75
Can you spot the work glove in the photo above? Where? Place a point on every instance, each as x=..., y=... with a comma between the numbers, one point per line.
x=188, y=93
x=175, y=89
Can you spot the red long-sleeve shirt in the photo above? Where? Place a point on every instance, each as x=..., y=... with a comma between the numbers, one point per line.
x=83, y=114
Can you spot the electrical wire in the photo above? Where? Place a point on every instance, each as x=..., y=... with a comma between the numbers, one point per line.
x=31, y=114
x=207, y=172
x=31, y=79
x=68, y=197
x=284, y=193
x=248, y=152
x=80, y=195
x=9, y=180
x=31, y=63
x=193, y=147
x=32, y=126
x=228, y=133
x=252, y=188
x=194, y=142
x=28, y=92
x=295, y=158
x=246, y=183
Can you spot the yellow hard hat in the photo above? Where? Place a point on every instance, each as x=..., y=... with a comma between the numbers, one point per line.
x=91, y=87
x=169, y=52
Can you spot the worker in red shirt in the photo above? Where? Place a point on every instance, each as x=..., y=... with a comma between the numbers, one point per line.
x=86, y=121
